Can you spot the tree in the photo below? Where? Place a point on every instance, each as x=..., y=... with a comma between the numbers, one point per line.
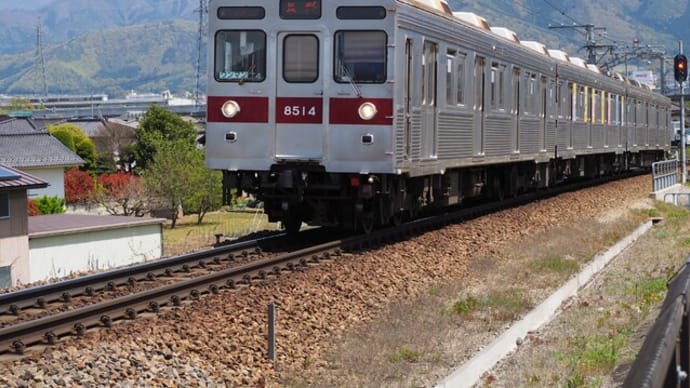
x=121, y=194
x=208, y=189
x=160, y=126
x=114, y=144
x=79, y=187
x=18, y=103
x=76, y=140
x=172, y=174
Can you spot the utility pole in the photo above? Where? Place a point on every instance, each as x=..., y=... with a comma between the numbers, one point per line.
x=202, y=10
x=591, y=46
x=41, y=63
x=680, y=72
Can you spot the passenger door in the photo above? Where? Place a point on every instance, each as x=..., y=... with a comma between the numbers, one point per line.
x=299, y=103
x=429, y=96
x=479, y=78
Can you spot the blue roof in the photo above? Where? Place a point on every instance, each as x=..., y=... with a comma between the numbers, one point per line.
x=12, y=179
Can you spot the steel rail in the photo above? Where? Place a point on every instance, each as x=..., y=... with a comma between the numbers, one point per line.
x=13, y=302
x=75, y=322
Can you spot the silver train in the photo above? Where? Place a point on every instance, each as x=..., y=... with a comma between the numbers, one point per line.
x=361, y=113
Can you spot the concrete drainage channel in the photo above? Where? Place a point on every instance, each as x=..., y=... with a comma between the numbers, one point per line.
x=470, y=372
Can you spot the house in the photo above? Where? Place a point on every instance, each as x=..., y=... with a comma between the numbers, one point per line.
x=29, y=148
x=110, y=137
x=14, y=229
x=43, y=248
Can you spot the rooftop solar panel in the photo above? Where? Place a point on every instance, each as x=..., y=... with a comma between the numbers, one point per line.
x=7, y=175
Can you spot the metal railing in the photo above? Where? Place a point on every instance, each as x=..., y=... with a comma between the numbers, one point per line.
x=664, y=174
x=663, y=360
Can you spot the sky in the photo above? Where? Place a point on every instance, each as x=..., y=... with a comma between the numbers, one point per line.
x=23, y=4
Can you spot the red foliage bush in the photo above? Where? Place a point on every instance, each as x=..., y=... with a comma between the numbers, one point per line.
x=79, y=186
x=119, y=184
x=31, y=208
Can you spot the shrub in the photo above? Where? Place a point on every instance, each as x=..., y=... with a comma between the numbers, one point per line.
x=50, y=205
x=79, y=186
x=31, y=208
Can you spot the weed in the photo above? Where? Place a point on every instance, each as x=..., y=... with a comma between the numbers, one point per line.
x=435, y=290
x=648, y=291
x=503, y=306
x=307, y=362
x=556, y=264
x=506, y=305
x=650, y=212
x=405, y=354
x=464, y=307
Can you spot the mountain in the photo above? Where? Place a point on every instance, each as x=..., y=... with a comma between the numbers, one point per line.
x=147, y=57
x=67, y=19
x=93, y=46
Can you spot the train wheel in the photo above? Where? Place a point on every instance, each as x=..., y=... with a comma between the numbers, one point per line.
x=366, y=222
x=292, y=223
x=397, y=219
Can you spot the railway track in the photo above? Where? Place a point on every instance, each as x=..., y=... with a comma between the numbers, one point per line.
x=49, y=329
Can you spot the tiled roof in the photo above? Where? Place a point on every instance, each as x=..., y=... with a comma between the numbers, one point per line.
x=57, y=224
x=23, y=145
x=90, y=127
x=11, y=178
x=14, y=126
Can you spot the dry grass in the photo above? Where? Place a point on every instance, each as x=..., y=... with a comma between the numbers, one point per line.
x=416, y=338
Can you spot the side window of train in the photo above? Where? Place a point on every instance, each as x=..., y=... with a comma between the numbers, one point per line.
x=455, y=78
x=497, y=91
x=531, y=95
x=301, y=58
x=360, y=56
x=240, y=56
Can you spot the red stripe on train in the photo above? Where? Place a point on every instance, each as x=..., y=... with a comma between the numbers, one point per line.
x=344, y=111
x=252, y=110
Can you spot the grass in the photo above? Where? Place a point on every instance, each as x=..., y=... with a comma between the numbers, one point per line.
x=189, y=236
x=405, y=354
x=500, y=305
x=648, y=291
x=556, y=264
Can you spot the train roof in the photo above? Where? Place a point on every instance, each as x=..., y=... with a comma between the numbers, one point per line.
x=438, y=5
x=473, y=19
x=593, y=68
x=578, y=62
x=560, y=55
x=535, y=46
x=506, y=34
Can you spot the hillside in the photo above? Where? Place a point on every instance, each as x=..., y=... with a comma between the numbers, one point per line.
x=111, y=46
x=149, y=57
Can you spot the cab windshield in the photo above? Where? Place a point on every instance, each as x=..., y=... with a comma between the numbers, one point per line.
x=240, y=56
x=360, y=56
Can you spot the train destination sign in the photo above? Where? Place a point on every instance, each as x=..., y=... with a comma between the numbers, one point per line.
x=300, y=9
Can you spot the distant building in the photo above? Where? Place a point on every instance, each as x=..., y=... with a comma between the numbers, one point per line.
x=30, y=148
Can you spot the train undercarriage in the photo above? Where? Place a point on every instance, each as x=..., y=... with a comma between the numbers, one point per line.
x=304, y=193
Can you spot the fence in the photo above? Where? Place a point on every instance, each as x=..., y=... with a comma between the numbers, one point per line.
x=663, y=360
x=664, y=174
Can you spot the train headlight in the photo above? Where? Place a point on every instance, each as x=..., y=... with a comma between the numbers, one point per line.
x=230, y=109
x=367, y=111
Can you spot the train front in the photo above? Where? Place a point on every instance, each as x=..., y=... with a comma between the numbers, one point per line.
x=300, y=106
